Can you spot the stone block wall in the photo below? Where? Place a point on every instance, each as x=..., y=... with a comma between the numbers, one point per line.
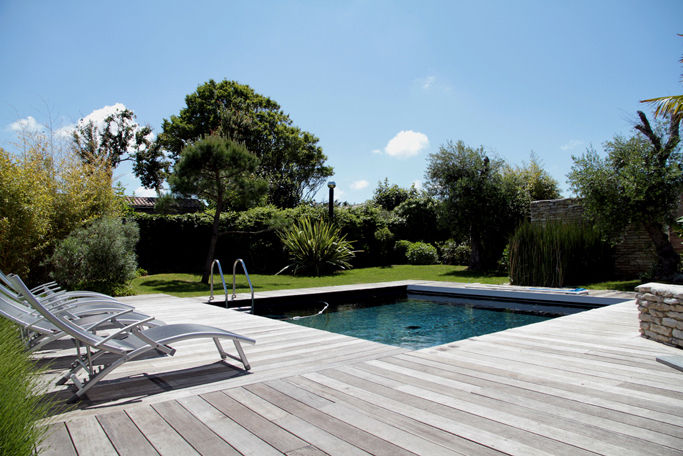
x=661, y=312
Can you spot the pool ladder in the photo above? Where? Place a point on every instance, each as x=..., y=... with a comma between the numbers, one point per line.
x=225, y=288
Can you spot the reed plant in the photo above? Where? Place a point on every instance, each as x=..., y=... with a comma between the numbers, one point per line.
x=559, y=254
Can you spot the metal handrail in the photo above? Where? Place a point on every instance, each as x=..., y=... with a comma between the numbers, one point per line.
x=244, y=268
x=225, y=288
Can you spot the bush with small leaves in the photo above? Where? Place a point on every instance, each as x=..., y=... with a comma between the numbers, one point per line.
x=422, y=253
x=99, y=257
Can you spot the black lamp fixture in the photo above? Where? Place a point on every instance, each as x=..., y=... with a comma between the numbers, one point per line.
x=331, y=185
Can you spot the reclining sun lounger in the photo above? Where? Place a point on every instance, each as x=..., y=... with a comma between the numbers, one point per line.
x=48, y=293
x=36, y=331
x=132, y=343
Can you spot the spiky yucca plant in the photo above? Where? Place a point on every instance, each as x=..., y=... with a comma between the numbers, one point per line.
x=316, y=247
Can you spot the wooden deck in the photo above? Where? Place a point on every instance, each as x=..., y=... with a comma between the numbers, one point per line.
x=581, y=384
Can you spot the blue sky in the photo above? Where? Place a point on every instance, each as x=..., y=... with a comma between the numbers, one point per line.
x=382, y=83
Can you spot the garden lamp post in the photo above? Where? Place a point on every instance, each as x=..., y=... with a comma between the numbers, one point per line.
x=331, y=185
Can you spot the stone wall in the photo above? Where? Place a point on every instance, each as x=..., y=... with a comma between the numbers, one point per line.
x=634, y=255
x=661, y=312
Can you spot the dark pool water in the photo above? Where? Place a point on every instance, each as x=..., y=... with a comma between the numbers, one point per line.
x=414, y=323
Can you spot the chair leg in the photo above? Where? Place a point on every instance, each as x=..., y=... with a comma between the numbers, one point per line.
x=241, y=358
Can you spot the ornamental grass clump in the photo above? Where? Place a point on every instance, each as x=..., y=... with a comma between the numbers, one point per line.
x=558, y=254
x=316, y=248
x=21, y=407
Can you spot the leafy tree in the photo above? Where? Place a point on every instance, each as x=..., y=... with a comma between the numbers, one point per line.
x=480, y=201
x=43, y=199
x=535, y=180
x=290, y=159
x=389, y=196
x=417, y=219
x=121, y=139
x=221, y=172
x=639, y=181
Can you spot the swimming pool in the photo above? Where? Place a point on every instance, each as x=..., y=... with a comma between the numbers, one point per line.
x=412, y=322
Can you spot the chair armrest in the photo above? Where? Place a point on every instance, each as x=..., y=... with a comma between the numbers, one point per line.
x=106, y=317
x=123, y=330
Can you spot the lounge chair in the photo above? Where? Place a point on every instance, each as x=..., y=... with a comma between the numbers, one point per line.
x=81, y=302
x=36, y=331
x=126, y=344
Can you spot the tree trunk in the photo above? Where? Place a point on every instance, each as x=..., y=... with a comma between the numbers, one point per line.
x=212, y=246
x=667, y=258
x=476, y=254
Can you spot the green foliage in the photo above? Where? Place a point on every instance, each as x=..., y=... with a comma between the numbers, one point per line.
x=631, y=183
x=557, y=255
x=401, y=248
x=290, y=159
x=43, y=199
x=389, y=196
x=535, y=180
x=316, y=247
x=385, y=240
x=219, y=171
x=99, y=257
x=422, y=253
x=455, y=253
x=121, y=139
x=480, y=202
x=21, y=407
x=640, y=181
x=417, y=219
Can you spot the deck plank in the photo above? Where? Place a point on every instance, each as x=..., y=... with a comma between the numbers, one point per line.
x=89, y=438
x=196, y=433
x=576, y=385
x=124, y=435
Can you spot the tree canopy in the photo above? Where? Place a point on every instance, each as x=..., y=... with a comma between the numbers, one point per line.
x=481, y=202
x=639, y=181
x=290, y=159
x=120, y=139
x=220, y=171
x=388, y=196
x=535, y=180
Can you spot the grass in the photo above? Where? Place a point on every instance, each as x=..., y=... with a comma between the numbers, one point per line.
x=21, y=406
x=184, y=285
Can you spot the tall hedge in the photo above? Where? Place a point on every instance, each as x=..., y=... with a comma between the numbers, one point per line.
x=178, y=243
x=559, y=254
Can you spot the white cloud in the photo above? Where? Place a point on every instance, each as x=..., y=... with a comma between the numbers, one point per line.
x=376, y=151
x=573, y=144
x=360, y=184
x=98, y=115
x=144, y=192
x=65, y=132
x=418, y=184
x=28, y=124
x=428, y=82
x=406, y=143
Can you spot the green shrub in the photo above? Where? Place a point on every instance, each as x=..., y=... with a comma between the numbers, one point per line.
x=454, y=253
x=99, y=257
x=21, y=406
x=316, y=247
x=401, y=250
x=557, y=254
x=422, y=253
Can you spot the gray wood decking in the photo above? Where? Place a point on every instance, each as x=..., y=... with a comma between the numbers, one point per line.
x=582, y=384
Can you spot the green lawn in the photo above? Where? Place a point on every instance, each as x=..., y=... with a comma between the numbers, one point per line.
x=182, y=285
